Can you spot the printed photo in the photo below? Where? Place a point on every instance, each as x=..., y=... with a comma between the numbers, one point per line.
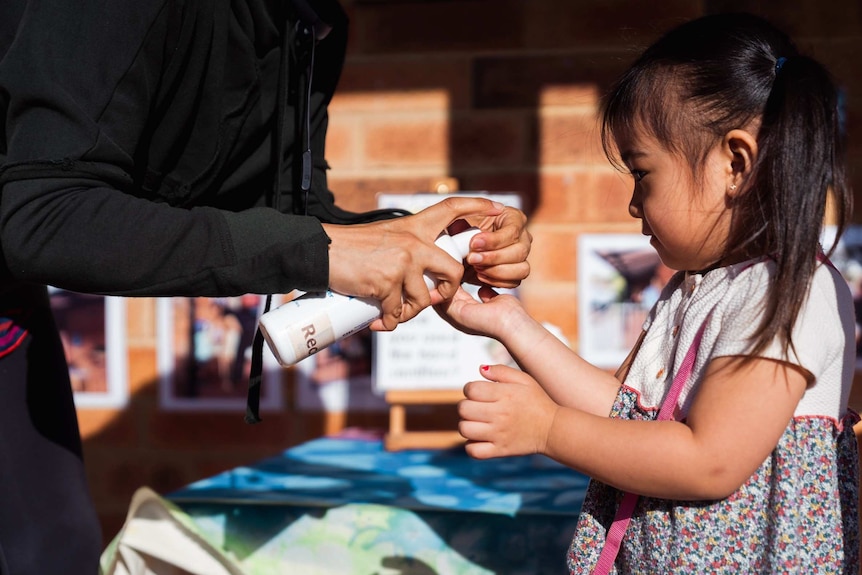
x=204, y=354
x=337, y=379
x=620, y=277
x=93, y=331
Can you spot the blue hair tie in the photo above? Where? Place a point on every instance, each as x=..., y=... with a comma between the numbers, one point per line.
x=779, y=63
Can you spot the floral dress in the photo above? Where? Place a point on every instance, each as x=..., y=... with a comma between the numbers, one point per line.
x=798, y=513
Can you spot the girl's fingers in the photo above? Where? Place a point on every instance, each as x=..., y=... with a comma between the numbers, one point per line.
x=481, y=450
x=475, y=430
x=503, y=373
x=478, y=391
x=474, y=410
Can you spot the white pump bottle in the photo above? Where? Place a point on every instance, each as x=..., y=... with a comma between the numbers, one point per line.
x=302, y=327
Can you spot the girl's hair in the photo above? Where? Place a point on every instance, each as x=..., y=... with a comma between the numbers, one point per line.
x=728, y=71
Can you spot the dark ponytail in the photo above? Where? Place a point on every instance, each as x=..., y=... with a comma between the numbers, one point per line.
x=728, y=71
x=800, y=165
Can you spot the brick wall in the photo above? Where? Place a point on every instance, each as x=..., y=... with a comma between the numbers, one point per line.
x=499, y=94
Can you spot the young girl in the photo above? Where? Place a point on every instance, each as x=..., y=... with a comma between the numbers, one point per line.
x=731, y=138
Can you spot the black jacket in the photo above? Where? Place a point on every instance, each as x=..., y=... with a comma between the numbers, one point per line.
x=136, y=146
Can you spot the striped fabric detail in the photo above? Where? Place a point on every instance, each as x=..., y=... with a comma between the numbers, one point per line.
x=11, y=332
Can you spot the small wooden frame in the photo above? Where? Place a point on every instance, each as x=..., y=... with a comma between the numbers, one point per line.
x=399, y=438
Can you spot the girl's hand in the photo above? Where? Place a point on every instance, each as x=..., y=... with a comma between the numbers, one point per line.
x=510, y=414
x=490, y=317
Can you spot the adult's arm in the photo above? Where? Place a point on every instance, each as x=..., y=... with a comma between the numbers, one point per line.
x=79, y=86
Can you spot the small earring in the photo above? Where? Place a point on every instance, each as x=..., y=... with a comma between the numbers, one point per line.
x=732, y=187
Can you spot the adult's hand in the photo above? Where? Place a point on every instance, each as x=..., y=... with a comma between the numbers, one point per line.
x=387, y=260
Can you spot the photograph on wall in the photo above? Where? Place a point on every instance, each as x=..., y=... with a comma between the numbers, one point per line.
x=620, y=277
x=847, y=258
x=337, y=379
x=93, y=331
x=204, y=354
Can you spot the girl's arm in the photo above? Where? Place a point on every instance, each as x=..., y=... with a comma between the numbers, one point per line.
x=567, y=378
x=736, y=420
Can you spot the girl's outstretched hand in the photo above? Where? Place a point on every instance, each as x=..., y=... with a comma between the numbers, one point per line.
x=509, y=414
x=490, y=317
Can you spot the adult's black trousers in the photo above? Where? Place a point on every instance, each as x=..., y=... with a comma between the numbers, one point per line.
x=48, y=524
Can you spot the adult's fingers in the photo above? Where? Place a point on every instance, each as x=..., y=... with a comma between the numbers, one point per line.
x=440, y=215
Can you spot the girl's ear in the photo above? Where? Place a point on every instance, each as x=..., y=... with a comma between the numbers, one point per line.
x=740, y=147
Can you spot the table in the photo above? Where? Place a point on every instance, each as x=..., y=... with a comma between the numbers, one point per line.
x=347, y=506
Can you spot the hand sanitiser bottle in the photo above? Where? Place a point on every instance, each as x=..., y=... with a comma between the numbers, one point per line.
x=302, y=327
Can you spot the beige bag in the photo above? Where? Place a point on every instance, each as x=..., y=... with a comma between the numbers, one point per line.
x=159, y=539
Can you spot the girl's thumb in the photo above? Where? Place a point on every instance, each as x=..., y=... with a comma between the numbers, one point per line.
x=490, y=372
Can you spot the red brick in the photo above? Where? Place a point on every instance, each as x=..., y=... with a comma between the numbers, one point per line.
x=108, y=427
x=141, y=321
x=113, y=480
x=112, y=523
x=489, y=140
x=342, y=142
x=552, y=257
x=570, y=138
x=854, y=128
x=523, y=181
x=167, y=476
x=584, y=196
x=855, y=402
x=519, y=80
x=143, y=371
x=438, y=26
x=841, y=58
x=359, y=194
x=162, y=474
x=408, y=141
x=585, y=95
x=122, y=477
x=192, y=431
x=404, y=82
x=555, y=303
x=392, y=100
x=855, y=178
x=557, y=24
x=800, y=18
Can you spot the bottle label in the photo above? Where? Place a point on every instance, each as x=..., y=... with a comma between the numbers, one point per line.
x=312, y=336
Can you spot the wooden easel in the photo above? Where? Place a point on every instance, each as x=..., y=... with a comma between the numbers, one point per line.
x=399, y=438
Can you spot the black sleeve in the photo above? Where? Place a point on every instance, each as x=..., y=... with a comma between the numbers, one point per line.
x=69, y=210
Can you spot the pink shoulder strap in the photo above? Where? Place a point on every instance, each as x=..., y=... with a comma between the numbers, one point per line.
x=615, y=534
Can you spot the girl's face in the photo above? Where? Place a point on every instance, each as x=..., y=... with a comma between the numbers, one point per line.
x=686, y=218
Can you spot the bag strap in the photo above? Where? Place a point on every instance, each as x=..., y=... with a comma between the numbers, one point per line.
x=614, y=537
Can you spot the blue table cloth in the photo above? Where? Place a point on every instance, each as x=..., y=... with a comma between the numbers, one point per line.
x=340, y=505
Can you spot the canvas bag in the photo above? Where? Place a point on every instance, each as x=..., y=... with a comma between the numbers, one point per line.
x=159, y=539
